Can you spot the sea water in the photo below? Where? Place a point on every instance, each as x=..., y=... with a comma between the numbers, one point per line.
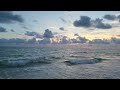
x=64, y=61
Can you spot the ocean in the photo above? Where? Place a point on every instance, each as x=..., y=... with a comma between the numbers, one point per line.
x=60, y=61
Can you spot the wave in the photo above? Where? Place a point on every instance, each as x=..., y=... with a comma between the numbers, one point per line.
x=84, y=61
x=23, y=62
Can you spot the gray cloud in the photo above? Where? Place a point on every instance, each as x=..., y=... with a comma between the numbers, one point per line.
x=103, y=26
x=99, y=41
x=2, y=29
x=109, y=17
x=48, y=34
x=76, y=34
x=35, y=34
x=31, y=41
x=118, y=35
x=61, y=28
x=30, y=33
x=24, y=27
x=63, y=20
x=65, y=40
x=86, y=21
x=82, y=39
x=45, y=41
x=12, y=30
x=83, y=22
x=118, y=16
x=97, y=20
x=99, y=24
x=35, y=20
x=38, y=36
x=9, y=17
x=115, y=40
x=54, y=33
x=13, y=40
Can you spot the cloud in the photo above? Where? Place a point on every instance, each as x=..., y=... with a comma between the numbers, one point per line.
x=61, y=28
x=98, y=23
x=9, y=17
x=48, y=34
x=109, y=17
x=82, y=39
x=35, y=34
x=45, y=41
x=2, y=29
x=118, y=16
x=118, y=35
x=24, y=27
x=101, y=25
x=64, y=40
x=55, y=33
x=18, y=41
x=115, y=40
x=99, y=41
x=38, y=36
x=86, y=21
x=76, y=34
x=30, y=33
x=12, y=30
x=35, y=20
x=63, y=20
x=83, y=22
x=13, y=40
x=31, y=41
x=97, y=20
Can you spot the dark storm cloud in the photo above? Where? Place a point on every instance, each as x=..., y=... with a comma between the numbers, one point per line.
x=48, y=34
x=9, y=17
x=83, y=22
x=2, y=29
x=63, y=20
x=61, y=28
x=109, y=17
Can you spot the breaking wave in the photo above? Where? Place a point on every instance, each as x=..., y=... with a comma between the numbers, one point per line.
x=85, y=61
x=23, y=62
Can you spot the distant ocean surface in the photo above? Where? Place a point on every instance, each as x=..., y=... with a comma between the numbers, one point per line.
x=67, y=61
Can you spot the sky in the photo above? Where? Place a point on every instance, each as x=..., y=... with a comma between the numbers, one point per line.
x=18, y=24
